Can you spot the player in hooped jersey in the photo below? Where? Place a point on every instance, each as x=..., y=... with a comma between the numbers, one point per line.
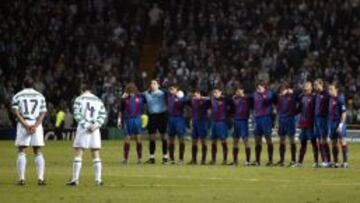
x=29, y=107
x=321, y=120
x=90, y=115
x=263, y=108
x=337, y=124
x=199, y=107
x=286, y=110
x=129, y=118
x=241, y=105
x=306, y=108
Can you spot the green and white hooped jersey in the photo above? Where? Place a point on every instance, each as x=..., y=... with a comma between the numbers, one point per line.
x=30, y=103
x=89, y=109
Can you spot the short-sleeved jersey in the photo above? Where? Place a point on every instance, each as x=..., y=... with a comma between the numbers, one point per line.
x=336, y=107
x=199, y=108
x=306, y=110
x=321, y=104
x=89, y=109
x=133, y=106
x=175, y=105
x=263, y=103
x=218, y=108
x=241, y=107
x=286, y=105
x=30, y=103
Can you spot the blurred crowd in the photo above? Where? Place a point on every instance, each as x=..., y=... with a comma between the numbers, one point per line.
x=210, y=43
x=61, y=43
x=205, y=43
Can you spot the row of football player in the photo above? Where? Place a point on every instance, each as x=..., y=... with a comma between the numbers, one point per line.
x=322, y=114
x=29, y=106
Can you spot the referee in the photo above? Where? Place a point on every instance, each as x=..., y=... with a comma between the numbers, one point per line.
x=156, y=106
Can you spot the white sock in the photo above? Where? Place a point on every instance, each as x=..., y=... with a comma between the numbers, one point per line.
x=97, y=168
x=76, y=168
x=21, y=165
x=40, y=165
x=152, y=156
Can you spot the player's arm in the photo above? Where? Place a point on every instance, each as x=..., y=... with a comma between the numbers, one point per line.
x=78, y=116
x=100, y=120
x=343, y=113
x=120, y=114
x=15, y=109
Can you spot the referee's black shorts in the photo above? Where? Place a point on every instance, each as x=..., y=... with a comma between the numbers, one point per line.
x=157, y=122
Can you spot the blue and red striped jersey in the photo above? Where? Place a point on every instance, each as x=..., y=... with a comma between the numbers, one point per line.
x=132, y=106
x=175, y=105
x=218, y=108
x=306, y=110
x=199, y=108
x=263, y=103
x=241, y=107
x=336, y=107
x=286, y=105
x=321, y=104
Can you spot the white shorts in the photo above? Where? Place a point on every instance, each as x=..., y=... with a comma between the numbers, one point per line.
x=86, y=140
x=23, y=138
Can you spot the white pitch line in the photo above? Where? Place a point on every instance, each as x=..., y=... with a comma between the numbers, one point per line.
x=212, y=179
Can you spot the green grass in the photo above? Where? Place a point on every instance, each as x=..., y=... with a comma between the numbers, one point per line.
x=159, y=183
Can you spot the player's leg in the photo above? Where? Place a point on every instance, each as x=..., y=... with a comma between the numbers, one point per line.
x=223, y=137
x=126, y=147
x=247, y=151
x=235, y=151
x=293, y=150
x=335, y=150
x=21, y=164
x=152, y=128
x=282, y=150
x=194, y=143
x=138, y=148
x=214, y=137
x=236, y=137
x=77, y=164
x=40, y=165
x=97, y=166
x=345, y=152
x=171, y=140
x=180, y=131
x=315, y=147
x=270, y=146
x=163, y=120
x=282, y=143
x=258, y=132
x=202, y=135
x=303, y=146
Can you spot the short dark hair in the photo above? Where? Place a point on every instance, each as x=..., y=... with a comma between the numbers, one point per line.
x=261, y=83
x=86, y=85
x=28, y=82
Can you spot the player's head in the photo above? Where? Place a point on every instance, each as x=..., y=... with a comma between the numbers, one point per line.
x=333, y=89
x=28, y=83
x=260, y=86
x=197, y=93
x=308, y=87
x=173, y=89
x=131, y=88
x=240, y=92
x=319, y=84
x=86, y=86
x=217, y=92
x=154, y=85
x=284, y=86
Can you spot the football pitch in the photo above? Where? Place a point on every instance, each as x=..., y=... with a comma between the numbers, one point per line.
x=174, y=183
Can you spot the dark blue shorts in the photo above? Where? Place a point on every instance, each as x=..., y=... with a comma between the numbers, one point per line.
x=176, y=126
x=199, y=129
x=307, y=134
x=334, y=134
x=132, y=126
x=321, y=127
x=287, y=126
x=219, y=130
x=263, y=126
x=241, y=129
